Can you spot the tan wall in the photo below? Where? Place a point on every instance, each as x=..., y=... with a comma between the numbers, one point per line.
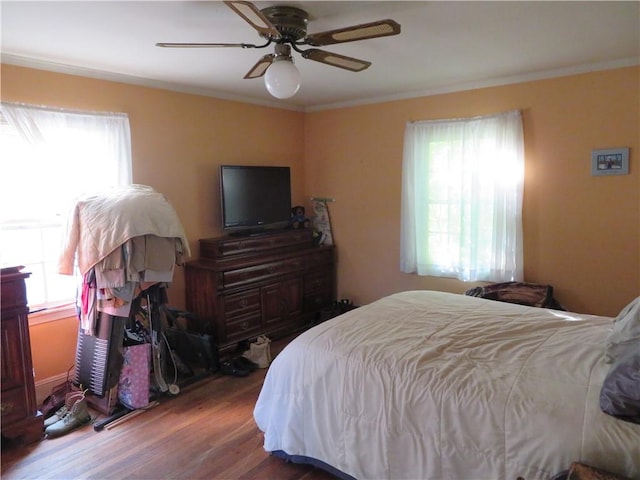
x=53, y=347
x=581, y=233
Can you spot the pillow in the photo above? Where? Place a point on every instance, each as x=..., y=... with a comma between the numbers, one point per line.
x=625, y=334
x=620, y=393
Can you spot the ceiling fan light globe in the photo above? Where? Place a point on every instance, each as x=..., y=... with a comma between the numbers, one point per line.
x=282, y=79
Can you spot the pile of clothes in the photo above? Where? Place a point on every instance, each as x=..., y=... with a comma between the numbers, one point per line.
x=123, y=242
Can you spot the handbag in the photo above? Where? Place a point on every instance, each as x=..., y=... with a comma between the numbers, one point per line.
x=134, y=382
x=189, y=342
x=259, y=352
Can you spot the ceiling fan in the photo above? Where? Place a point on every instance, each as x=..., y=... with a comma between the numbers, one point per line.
x=286, y=27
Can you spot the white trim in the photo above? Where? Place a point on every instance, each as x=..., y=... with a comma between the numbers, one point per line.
x=52, y=314
x=131, y=80
x=498, y=81
x=495, y=82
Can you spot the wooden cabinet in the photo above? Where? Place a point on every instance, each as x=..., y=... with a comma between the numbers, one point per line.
x=272, y=284
x=21, y=420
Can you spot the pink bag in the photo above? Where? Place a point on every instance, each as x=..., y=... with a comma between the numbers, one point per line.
x=133, y=386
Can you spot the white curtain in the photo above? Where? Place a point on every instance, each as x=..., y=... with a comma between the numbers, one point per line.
x=71, y=153
x=83, y=140
x=462, y=187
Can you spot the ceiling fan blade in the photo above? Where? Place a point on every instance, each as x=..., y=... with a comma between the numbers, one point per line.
x=260, y=67
x=206, y=45
x=335, y=60
x=254, y=17
x=381, y=28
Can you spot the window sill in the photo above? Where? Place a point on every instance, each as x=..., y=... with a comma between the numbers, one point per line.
x=52, y=314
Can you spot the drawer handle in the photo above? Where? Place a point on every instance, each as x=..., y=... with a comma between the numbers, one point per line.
x=243, y=303
x=5, y=408
x=244, y=325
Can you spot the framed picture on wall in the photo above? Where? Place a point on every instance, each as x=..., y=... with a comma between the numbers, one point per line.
x=611, y=161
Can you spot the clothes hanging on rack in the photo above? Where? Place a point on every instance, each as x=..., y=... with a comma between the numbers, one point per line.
x=123, y=242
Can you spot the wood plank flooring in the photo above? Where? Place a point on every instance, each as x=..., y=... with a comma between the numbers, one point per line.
x=206, y=432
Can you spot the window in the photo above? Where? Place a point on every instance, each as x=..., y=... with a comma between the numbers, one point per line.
x=462, y=184
x=50, y=157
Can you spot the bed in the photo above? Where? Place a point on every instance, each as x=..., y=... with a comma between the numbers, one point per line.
x=432, y=385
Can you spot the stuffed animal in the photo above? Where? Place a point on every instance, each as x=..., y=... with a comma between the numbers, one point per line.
x=298, y=218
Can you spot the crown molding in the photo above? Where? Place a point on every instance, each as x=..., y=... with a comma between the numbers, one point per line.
x=37, y=64
x=495, y=82
x=452, y=88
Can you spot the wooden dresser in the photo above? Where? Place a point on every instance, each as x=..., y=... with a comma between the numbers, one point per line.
x=21, y=420
x=273, y=284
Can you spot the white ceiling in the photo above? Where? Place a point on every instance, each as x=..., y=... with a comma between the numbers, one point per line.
x=444, y=46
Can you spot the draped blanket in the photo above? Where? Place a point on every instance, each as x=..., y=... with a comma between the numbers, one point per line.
x=102, y=223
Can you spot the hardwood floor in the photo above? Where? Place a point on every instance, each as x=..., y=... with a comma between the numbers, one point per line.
x=207, y=431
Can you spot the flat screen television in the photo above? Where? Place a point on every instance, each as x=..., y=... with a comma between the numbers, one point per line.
x=255, y=198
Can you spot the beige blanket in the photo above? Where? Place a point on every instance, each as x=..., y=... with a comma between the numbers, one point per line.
x=102, y=223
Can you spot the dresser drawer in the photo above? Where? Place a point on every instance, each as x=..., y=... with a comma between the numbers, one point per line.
x=264, y=271
x=318, y=282
x=242, y=326
x=316, y=259
x=213, y=249
x=13, y=405
x=241, y=303
x=318, y=290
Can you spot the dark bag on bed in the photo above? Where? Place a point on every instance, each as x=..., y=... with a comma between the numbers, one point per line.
x=522, y=293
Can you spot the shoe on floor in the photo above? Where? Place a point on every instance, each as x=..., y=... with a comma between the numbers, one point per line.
x=229, y=368
x=69, y=399
x=75, y=417
x=245, y=363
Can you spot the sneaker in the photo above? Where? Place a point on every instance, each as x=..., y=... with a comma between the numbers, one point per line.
x=75, y=417
x=69, y=400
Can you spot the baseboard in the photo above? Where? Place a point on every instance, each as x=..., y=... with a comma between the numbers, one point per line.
x=44, y=387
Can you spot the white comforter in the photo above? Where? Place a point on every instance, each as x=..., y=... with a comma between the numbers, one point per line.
x=431, y=385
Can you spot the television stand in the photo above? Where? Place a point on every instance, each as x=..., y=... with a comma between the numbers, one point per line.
x=274, y=284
